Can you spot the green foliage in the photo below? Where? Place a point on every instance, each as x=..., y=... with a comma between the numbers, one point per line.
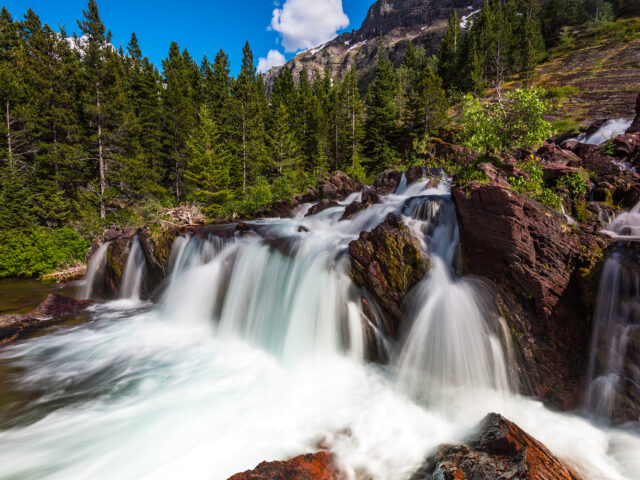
x=608, y=149
x=36, y=251
x=562, y=92
x=532, y=183
x=577, y=183
x=516, y=121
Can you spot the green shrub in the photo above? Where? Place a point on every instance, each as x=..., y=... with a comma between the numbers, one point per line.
x=532, y=183
x=40, y=250
x=608, y=149
x=577, y=183
x=517, y=121
x=563, y=91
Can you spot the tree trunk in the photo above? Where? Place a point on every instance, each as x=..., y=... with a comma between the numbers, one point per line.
x=9, y=147
x=103, y=184
x=244, y=157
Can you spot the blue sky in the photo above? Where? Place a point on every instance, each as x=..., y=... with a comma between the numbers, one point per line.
x=203, y=27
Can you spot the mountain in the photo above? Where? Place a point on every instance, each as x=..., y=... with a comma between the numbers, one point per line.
x=398, y=22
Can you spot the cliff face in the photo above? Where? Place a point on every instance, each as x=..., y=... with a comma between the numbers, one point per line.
x=424, y=22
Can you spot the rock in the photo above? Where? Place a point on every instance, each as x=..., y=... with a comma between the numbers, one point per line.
x=627, y=147
x=321, y=205
x=312, y=466
x=635, y=126
x=369, y=197
x=552, y=153
x=535, y=260
x=282, y=208
x=500, y=451
x=387, y=181
x=388, y=262
x=337, y=187
x=156, y=265
x=600, y=164
x=51, y=310
x=595, y=126
x=555, y=171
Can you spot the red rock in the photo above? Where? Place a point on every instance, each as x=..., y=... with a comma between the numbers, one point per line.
x=387, y=181
x=554, y=171
x=635, y=126
x=51, y=310
x=312, y=466
x=554, y=154
x=369, y=197
x=627, y=147
x=534, y=260
x=500, y=451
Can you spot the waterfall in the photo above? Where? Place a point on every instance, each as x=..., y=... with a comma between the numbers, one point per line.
x=133, y=272
x=614, y=362
x=454, y=345
x=95, y=266
x=610, y=129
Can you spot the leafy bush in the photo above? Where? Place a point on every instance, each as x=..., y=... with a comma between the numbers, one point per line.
x=608, y=149
x=516, y=121
x=577, y=183
x=33, y=252
x=532, y=183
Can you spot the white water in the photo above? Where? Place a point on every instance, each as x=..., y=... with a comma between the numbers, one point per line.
x=256, y=355
x=609, y=130
x=616, y=319
x=96, y=265
x=133, y=272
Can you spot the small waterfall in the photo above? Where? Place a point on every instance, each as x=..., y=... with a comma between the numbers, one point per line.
x=402, y=186
x=610, y=129
x=96, y=265
x=614, y=363
x=454, y=341
x=133, y=272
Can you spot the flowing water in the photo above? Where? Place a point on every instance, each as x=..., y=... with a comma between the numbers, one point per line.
x=257, y=352
x=132, y=276
x=94, y=268
x=614, y=367
x=610, y=129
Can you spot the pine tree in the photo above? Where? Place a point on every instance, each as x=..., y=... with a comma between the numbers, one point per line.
x=532, y=43
x=382, y=113
x=449, y=52
x=281, y=140
x=207, y=175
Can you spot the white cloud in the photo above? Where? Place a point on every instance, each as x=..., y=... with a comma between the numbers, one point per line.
x=305, y=24
x=274, y=59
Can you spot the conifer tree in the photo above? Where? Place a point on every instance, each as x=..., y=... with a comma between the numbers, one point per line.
x=207, y=174
x=282, y=143
x=449, y=52
x=382, y=113
x=531, y=41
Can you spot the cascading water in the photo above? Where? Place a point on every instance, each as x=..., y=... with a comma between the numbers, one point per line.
x=451, y=349
x=614, y=366
x=610, y=129
x=96, y=265
x=133, y=272
x=256, y=353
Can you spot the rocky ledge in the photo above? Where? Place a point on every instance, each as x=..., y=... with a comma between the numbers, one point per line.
x=312, y=466
x=55, y=308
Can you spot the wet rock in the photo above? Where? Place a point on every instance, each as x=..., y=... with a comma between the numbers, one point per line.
x=554, y=154
x=555, y=171
x=536, y=262
x=51, y=310
x=387, y=181
x=369, y=197
x=388, y=262
x=337, y=187
x=500, y=451
x=635, y=126
x=627, y=147
x=595, y=126
x=312, y=466
x=600, y=164
x=282, y=209
x=321, y=205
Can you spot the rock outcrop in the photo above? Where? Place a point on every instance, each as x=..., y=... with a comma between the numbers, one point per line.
x=635, y=126
x=52, y=310
x=337, y=187
x=388, y=262
x=539, y=265
x=312, y=466
x=500, y=451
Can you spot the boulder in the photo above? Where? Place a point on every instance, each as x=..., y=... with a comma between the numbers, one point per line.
x=337, y=187
x=312, y=466
x=555, y=171
x=536, y=262
x=554, y=154
x=321, y=205
x=51, y=310
x=499, y=451
x=627, y=147
x=388, y=262
x=387, y=181
x=369, y=197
